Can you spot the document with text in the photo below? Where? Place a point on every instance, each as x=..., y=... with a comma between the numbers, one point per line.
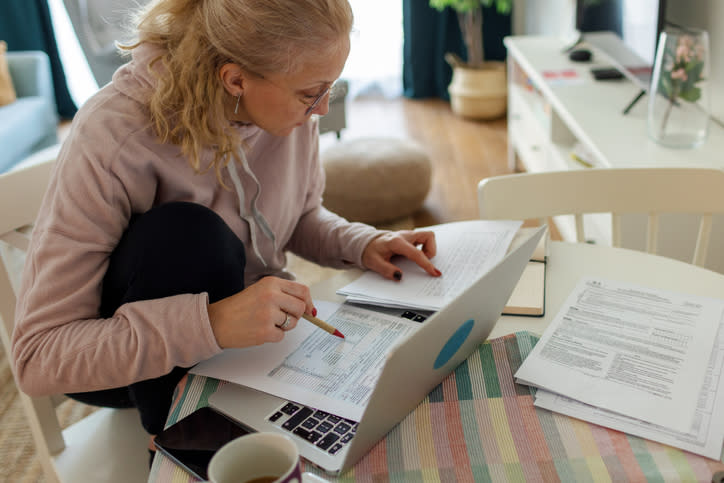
x=705, y=435
x=315, y=368
x=466, y=250
x=632, y=350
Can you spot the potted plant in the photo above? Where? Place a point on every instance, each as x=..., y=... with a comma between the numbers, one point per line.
x=478, y=88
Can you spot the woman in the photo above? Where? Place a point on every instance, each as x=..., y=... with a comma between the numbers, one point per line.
x=162, y=236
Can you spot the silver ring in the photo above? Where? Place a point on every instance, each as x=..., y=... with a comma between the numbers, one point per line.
x=286, y=323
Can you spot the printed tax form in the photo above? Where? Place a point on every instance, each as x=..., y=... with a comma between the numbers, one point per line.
x=465, y=250
x=632, y=350
x=312, y=367
x=706, y=434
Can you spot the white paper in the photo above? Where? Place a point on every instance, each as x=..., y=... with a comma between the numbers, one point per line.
x=312, y=367
x=633, y=350
x=465, y=251
x=706, y=434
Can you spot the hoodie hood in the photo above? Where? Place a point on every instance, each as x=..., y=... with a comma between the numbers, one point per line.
x=137, y=79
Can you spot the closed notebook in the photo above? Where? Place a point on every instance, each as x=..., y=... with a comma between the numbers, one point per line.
x=528, y=297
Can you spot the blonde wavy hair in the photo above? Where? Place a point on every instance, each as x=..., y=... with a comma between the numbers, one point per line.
x=199, y=36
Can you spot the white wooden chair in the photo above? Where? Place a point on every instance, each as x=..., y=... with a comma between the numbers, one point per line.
x=109, y=445
x=649, y=191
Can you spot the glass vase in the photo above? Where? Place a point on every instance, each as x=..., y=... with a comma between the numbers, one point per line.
x=678, y=113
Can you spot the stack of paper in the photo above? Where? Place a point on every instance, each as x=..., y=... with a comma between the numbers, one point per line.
x=465, y=251
x=643, y=361
x=310, y=367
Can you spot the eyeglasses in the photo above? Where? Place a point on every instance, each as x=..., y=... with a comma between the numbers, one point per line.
x=311, y=107
x=311, y=104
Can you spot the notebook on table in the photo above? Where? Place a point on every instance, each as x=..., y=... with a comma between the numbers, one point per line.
x=529, y=295
x=411, y=370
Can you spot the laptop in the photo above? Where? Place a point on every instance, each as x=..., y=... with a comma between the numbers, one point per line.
x=411, y=370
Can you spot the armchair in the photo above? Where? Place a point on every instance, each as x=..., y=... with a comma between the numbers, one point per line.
x=30, y=123
x=336, y=119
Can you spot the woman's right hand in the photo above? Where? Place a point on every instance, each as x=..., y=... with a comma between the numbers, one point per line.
x=253, y=316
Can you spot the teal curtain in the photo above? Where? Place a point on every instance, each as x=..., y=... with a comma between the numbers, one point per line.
x=429, y=34
x=26, y=25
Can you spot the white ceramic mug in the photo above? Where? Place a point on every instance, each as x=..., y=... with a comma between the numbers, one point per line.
x=256, y=457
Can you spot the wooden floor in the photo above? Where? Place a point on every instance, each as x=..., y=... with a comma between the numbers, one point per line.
x=462, y=151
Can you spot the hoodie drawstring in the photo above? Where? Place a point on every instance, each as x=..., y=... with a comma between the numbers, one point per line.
x=256, y=218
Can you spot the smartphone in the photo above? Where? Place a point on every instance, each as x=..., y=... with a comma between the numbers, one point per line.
x=606, y=73
x=193, y=440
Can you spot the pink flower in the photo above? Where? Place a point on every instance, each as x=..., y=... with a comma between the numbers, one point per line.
x=687, y=41
x=682, y=53
x=679, y=74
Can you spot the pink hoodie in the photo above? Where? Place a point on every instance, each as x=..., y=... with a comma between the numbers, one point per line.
x=112, y=166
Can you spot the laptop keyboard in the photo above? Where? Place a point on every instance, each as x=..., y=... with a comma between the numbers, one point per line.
x=326, y=431
x=413, y=316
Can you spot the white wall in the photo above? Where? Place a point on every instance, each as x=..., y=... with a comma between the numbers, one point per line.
x=548, y=17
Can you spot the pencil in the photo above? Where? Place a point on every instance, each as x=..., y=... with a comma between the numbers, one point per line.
x=323, y=325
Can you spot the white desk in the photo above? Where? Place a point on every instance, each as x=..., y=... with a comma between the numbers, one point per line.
x=588, y=111
x=549, y=115
x=568, y=262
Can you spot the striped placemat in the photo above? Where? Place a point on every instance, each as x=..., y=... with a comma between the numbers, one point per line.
x=478, y=425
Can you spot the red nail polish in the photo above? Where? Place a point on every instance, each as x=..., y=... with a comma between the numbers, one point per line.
x=314, y=311
x=438, y=272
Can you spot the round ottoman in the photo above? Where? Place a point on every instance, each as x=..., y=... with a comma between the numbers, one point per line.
x=376, y=180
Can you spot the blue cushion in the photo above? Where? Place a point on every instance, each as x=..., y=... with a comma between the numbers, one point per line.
x=24, y=124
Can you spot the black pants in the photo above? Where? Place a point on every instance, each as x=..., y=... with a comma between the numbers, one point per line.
x=172, y=249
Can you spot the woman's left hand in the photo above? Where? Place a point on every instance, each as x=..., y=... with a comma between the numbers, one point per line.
x=379, y=252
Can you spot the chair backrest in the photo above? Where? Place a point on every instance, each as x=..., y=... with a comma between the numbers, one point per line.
x=21, y=193
x=650, y=191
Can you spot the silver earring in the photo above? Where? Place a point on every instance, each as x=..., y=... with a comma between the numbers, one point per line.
x=238, y=98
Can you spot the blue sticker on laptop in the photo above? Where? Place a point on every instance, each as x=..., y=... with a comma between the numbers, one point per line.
x=454, y=343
